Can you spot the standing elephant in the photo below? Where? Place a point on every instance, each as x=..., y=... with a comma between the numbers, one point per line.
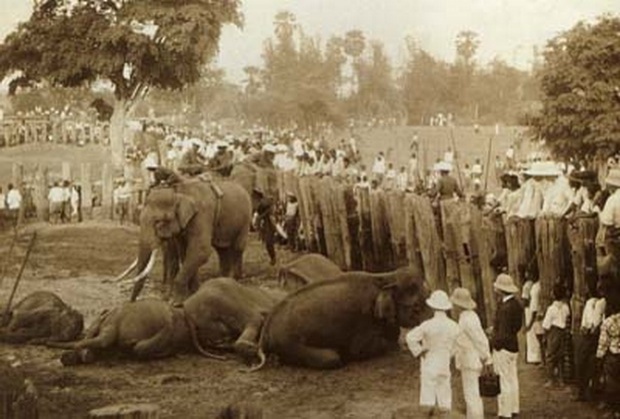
x=354, y=317
x=229, y=315
x=145, y=329
x=188, y=219
x=41, y=317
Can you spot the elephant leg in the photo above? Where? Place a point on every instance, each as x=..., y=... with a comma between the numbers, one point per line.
x=247, y=344
x=368, y=345
x=157, y=346
x=237, y=263
x=197, y=255
x=226, y=266
x=311, y=357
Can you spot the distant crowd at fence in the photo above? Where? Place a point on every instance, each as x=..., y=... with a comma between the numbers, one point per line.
x=16, y=131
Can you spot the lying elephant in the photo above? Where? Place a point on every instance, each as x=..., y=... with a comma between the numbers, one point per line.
x=145, y=329
x=228, y=315
x=353, y=317
x=41, y=317
x=307, y=269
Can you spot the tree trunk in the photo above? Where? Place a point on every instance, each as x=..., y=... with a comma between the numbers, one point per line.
x=117, y=133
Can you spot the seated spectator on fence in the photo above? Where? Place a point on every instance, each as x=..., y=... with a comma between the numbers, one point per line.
x=56, y=198
x=610, y=216
x=390, y=178
x=402, y=180
x=558, y=196
x=13, y=204
x=534, y=188
x=447, y=186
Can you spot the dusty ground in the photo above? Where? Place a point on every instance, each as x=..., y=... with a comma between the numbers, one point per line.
x=75, y=260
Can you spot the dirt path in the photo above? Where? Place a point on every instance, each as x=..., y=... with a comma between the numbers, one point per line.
x=73, y=261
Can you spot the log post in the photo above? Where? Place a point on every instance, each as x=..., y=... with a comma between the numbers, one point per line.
x=449, y=210
x=581, y=236
x=431, y=245
x=107, y=189
x=414, y=250
x=40, y=193
x=126, y=411
x=87, y=191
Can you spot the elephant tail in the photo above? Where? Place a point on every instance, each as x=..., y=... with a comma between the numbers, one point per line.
x=192, y=331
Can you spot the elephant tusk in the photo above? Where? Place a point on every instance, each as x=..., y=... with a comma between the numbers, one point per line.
x=192, y=331
x=127, y=271
x=147, y=269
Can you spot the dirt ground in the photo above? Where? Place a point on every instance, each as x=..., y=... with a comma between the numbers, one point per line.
x=74, y=261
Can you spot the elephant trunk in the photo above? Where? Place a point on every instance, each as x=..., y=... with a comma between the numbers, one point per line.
x=140, y=279
x=262, y=360
x=192, y=331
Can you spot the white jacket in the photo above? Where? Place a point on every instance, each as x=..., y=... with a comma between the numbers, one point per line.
x=472, y=345
x=437, y=336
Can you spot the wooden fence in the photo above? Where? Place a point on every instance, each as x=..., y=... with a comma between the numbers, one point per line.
x=453, y=245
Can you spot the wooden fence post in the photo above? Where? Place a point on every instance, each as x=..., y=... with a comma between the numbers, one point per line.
x=107, y=189
x=40, y=193
x=87, y=191
x=397, y=219
x=431, y=246
x=384, y=258
x=414, y=249
x=581, y=236
x=339, y=208
x=365, y=237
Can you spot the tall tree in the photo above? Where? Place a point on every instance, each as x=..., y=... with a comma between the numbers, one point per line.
x=463, y=71
x=354, y=46
x=132, y=44
x=580, y=83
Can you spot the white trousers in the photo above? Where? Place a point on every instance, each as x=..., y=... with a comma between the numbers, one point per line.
x=435, y=389
x=505, y=365
x=471, y=392
x=533, y=354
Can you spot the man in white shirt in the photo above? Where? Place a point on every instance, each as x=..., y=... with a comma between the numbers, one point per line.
x=13, y=203
x=379, y=168
x=448, y=156
x=587, y=343
x=434, y=341
x=55, y=197
x=610, y=216
x=472, y=350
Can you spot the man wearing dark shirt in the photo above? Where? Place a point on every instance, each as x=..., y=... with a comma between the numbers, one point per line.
x=447, y=185
x=508, y=322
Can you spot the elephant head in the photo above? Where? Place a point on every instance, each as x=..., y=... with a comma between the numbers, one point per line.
x=167, y=212
x=401, y=297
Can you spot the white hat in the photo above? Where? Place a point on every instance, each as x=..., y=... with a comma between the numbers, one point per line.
x=269, y=148
x=505, y=283
x=543, y=168
x=439, y=301
x=462, y=297
x=443, y=166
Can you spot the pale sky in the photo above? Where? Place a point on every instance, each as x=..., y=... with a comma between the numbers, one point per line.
x=507, y=28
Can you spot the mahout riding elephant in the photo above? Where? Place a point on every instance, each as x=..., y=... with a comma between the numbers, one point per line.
x=307, y=269
x=228, y=315
x=39, y=318
x=144, y=329
x=356, y=316
x=188, y=219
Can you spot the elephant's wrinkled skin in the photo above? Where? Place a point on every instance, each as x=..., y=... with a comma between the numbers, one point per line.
x=307, y=269
x=354, y=317
x=145, y=329
x=41, y=317
x=189, y=220
x=229, y=315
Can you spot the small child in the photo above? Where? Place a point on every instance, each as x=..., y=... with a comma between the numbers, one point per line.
x=555, y=326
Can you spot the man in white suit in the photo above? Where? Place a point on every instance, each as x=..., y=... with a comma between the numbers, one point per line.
x=434, y=341
x=472, y=351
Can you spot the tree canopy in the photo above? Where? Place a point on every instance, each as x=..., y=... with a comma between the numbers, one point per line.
x=133, y=44
x=580, y=86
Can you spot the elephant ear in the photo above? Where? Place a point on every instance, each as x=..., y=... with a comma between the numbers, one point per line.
x=186, y=209
x=385, y=307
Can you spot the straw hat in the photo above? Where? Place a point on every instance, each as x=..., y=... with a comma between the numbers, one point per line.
x=543, y=168
x=439, y=301
x=505, y=283
x=462, y=297
x=613, y=178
